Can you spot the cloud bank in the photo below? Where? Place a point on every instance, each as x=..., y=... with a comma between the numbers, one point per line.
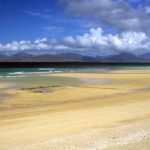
x=95, y=42
x=117, y=13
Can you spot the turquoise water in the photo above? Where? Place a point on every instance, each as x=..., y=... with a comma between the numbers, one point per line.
x=11, y=72
x=30, y=71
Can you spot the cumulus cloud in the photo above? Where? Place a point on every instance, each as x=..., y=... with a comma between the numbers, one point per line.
x=133, y=42
x=37, y=47
x=117, y=13
x=96, y=42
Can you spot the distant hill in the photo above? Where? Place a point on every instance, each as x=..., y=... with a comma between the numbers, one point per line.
x=123, y=57
x=71, y=57
x=24, y=57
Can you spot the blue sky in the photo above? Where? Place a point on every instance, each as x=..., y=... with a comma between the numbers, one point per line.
x=31, y=19
x=79, y=25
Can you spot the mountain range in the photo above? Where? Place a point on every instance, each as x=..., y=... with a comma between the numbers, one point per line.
x=72, y=57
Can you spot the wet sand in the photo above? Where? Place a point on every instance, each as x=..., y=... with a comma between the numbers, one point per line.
x=87, y=111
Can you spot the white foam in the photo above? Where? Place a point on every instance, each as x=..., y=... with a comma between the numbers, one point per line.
x=20, y=76
x=16, y=73
x=46, y=69
x=57, y=71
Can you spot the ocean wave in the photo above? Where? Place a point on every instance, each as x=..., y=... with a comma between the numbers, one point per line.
x=57, y=71
x=34, y=72
x=19, y=76
x=46, y=69
x=16, y=73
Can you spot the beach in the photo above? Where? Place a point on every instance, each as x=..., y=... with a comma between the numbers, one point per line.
x=76, y=111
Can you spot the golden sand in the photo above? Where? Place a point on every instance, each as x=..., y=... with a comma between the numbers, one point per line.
x=111, y=115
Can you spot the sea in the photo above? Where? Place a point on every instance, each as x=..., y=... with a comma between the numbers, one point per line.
x=21, y=72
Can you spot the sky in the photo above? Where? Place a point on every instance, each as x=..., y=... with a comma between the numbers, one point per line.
x=87, y=27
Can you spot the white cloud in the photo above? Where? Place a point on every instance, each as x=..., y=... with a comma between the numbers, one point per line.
x=94, y=42
x=134, y=42
x=117, y=13
x=147, y=10
x=95, y=37
x=130, y=41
